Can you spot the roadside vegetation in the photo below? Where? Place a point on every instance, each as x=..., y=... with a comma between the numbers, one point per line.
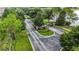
x=22, y=42
x=65, y=28
x=70, y=40
x=13, y=36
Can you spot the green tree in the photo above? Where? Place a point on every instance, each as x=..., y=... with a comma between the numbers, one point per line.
x=32, y=12
x=71, y=16
x=20, y=14
x=39, y=20
x=8, y=29
x=61, y=19
x=8, y=11
x=56, y=11
x=70, y=39
x=67, y=17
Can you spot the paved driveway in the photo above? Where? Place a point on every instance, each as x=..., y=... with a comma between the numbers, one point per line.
x=41, y=43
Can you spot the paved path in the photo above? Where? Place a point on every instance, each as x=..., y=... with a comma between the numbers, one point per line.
x=37, y=44
x=41, y=43
x=56, y=30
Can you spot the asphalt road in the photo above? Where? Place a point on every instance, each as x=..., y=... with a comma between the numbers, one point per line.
x=41, y=43
x=56, y=30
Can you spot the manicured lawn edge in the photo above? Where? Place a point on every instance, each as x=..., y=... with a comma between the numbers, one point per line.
x=65, y=29
x=22, y=42
x=30, y=41
x=45, y=35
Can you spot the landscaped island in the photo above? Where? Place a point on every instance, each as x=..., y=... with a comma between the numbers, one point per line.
x=45, y=32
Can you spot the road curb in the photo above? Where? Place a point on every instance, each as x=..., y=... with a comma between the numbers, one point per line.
x=30, y=40
x=31, y=43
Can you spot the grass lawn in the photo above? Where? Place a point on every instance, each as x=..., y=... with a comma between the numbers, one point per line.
x=75, y=48
x=66, y=29
x=45, y=21
x=22, y=42
x=45, y=32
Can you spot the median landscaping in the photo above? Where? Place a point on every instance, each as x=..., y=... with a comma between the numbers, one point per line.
x=45, y=32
